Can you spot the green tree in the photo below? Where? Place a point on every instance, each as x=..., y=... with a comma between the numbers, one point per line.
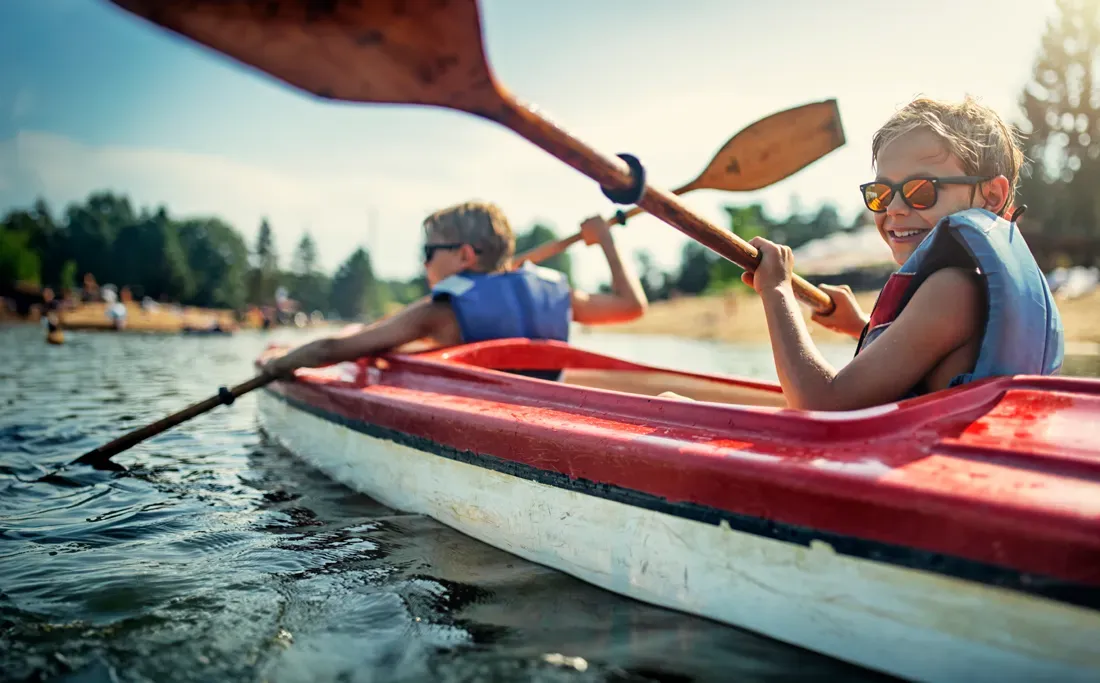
x=45, y=238
x=18, y=261
x=1062, y=108
x=746, y=222
x=825, y=222
x=92, y=228
x=264, y=276
x=218, y=259
x=406, y=291
x=51, y=243
x=355, y=292
x=308, y=285
x=149, y=258
x=201, y=261
x=541, y=234
x=694, y=274
x=655, y=282
x=304, y=261
x=67, y=278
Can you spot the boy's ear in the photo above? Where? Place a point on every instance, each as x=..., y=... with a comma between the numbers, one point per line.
x=994, y=194
x=469, y=256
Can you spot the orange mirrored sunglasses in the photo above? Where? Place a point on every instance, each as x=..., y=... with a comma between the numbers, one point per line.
x=917, y=192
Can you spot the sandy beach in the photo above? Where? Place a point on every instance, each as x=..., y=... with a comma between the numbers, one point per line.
x=739, y=317
x=93, y=316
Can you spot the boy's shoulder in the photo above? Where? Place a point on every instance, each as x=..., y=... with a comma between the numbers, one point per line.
x=949, y=297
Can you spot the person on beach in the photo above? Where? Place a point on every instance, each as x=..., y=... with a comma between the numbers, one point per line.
x=477, y=296
x=51, y=314
x=969, y=300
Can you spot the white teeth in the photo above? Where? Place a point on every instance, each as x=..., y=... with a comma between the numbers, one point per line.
x=904, y=233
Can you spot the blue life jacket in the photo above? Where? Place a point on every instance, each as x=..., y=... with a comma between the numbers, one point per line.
x=531, y=302
x=1023, y=330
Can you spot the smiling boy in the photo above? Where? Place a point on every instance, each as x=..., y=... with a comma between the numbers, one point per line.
x=968, y=302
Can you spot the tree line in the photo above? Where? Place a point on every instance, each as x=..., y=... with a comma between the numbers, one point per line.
x=701, y=271
x=197, y=261
x=204, y=261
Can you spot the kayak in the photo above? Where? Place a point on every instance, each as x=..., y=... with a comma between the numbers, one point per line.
x=950, y=537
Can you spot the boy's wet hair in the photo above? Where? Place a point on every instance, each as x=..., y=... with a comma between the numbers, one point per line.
x=482, y=225
x=973, y=132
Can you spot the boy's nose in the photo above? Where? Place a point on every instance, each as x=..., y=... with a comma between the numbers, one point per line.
x=897, y=205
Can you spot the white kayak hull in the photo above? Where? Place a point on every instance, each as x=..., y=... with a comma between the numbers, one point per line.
x=910, y=623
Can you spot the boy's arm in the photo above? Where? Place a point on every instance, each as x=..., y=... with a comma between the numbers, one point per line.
x=627, y=299
x=847, y=317
x=423, y=318
x=942, y=316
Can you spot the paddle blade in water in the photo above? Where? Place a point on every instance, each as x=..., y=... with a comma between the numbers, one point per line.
x=389, y=51
x=774, y=148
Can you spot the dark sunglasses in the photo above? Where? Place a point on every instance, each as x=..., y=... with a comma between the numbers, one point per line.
x=430, y=249
x=918, y=193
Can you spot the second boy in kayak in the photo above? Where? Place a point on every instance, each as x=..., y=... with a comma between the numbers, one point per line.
x=475, y=297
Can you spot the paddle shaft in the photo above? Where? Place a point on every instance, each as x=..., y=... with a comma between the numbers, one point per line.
x=614, y=173
x=107, y=451
x=552, y=249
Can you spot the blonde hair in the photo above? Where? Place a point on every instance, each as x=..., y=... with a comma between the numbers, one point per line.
x=481, y=225
x=971, y=131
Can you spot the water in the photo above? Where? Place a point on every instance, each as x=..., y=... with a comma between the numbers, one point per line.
x=220, y=557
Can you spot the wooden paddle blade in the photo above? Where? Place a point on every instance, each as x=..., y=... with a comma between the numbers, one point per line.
x=425, y=52
x=774, y=148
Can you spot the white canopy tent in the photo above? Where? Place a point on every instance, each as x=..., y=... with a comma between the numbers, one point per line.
x=842, y=251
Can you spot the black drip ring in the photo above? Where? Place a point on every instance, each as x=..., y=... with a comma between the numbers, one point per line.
x=634, y=193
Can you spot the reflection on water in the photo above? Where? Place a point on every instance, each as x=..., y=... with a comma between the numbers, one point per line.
x=221, y=557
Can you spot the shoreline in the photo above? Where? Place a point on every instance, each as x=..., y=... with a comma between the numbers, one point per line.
x=734, y=317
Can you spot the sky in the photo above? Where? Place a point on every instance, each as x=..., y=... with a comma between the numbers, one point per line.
x=93, y=99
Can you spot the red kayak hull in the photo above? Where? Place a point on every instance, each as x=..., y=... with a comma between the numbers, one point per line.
x=998, y=481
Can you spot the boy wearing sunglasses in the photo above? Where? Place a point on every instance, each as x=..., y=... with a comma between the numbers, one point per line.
x=968, y=302
x=475, y=296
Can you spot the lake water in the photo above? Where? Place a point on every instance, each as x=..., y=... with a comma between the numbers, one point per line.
x=221, y=557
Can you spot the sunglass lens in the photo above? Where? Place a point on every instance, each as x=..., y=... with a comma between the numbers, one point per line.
x=920, y=194
x=877, y=196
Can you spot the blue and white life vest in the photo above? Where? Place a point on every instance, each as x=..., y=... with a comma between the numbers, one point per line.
x=1023, y=329
x=531, y=302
